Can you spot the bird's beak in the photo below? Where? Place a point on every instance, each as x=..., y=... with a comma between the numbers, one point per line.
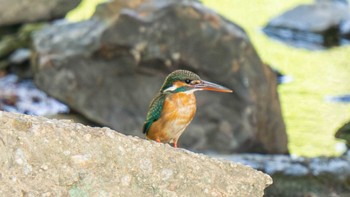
x=206, y=85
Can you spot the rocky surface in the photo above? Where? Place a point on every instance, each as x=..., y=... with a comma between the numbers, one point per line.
x=300, y=176
x=109, y=68
x=13, y=12
x=45, y=157
x=317, y=25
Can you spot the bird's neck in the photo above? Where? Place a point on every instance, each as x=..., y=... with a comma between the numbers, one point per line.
x=183, y=99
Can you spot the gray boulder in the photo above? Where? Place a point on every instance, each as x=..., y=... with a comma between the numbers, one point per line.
x=45, y=157
x=317, y=24
x=109, y=68
x=13, y=12
x=318, y=17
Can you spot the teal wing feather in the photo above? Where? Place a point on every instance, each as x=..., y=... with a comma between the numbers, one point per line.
x=155, y=109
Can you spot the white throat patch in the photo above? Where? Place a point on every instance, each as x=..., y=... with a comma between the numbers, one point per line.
x=171, y=88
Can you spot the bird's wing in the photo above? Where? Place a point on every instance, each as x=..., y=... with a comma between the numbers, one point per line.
x=155, y=109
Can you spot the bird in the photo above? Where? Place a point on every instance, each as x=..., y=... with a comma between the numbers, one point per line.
x=174, y=106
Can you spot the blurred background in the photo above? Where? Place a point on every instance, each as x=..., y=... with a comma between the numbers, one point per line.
x=311, y=119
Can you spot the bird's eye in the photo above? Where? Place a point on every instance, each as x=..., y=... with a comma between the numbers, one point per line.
x=188, y=81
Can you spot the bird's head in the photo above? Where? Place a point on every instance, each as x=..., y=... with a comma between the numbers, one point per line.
x=187, y=81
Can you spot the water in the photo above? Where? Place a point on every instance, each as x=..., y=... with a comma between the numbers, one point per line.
x=22, y=96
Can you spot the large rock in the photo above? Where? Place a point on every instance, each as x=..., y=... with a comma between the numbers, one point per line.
x=43, y=157
x=13, y=12
x=110, y=67
x=300, y=176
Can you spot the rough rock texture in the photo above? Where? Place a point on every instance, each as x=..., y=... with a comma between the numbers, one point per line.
x=44, y=157
x=300, y=176
x=110, y=67
x=13, y=12
x=320, y=23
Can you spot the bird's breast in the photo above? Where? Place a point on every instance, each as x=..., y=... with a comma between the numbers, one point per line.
x=178, y=111
x=180, y=108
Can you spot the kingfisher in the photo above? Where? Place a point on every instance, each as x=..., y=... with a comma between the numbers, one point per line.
x=174, y=106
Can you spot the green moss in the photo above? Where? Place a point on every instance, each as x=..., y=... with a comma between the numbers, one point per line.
x=19, y=39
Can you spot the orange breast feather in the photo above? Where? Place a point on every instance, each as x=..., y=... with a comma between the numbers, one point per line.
x=177, y=113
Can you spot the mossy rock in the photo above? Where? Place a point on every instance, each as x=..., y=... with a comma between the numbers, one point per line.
x=18, y=39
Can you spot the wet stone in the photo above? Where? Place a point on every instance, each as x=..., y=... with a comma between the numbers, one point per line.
x=312, y=26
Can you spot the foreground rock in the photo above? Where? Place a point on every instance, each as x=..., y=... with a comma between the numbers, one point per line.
x=109, y=68
x=313, y=26
x=44, y=157
x=300, y=176
x=14, y=12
